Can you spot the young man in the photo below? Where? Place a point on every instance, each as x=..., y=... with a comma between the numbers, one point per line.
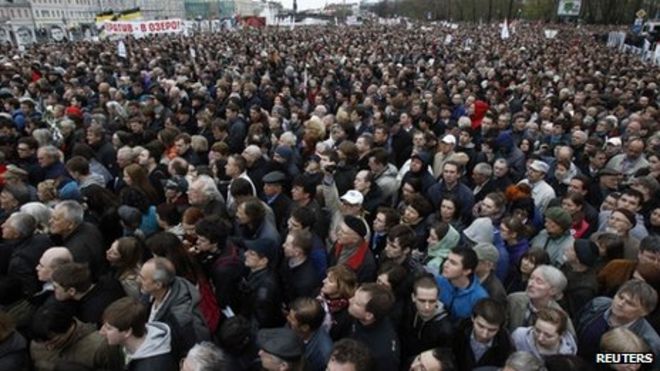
x=369, y=307
x=350, y=355
x=297, y=270
x=460, y=289
x=482, y=341
x=146, y=345
x=425, y=323
x=436, y=359
x=305, y=318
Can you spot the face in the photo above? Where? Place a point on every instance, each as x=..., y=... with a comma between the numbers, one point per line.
x=416, y=165
x=290, y=250
x=394, y=251
x=346, y=235
x=360, y=183
x=453, y=267
x=330, y=286
x=146, y=279
x=483, y=330
x=357, y=305
x=447, y=210
x=450, y=174
x=635, y=149
x=333, y=365
x=57, y=223
x=619, y=223
x=426, y=301
x=24, y=150
x=112, y=334
x=410, y=215
x=534, y=176
x=527, y=265
x=627, y=307
x=488, y=207
x=383, y=280
x=112, y=255
x=553, y=228
x=499, y=169
x=629, y=202
x=538, y=287
x=231, y=168
x=195, y=195
x=648, y=256
x=546, y=334
x=253, y=260
x=570, y=206
x=380, y=223
x=269, y=362
x=425, y=361
x=241, y=215
x=297, y=193
x=407, y=191
x=61, y=293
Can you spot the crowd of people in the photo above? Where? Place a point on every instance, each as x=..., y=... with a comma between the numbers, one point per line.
x=330, y=198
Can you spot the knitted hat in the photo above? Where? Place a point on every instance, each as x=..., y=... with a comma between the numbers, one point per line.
x=480, y=231
x=487, y=252
x=629, y=215
x=356, y=224
x=560, y=216
x=285, y=152
x=586, y=252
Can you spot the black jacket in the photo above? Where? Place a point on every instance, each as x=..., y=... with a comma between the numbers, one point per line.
x=25, y=258
x=91, y=306
x=86, y=244
x=281, y=206
x=418, y=335
x=106, y=155
x=225, y=270
x=382, y=340
x=496, y=355
x=299, y=281
x=14, y=353
x=262, y=299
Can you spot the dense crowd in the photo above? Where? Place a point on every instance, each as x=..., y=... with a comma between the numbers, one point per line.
x=330, y=198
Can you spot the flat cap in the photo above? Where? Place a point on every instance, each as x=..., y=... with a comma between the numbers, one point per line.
x=274, y=177
x=280, y=342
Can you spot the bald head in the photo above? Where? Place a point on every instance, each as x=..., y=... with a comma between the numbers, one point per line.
x=50, y=260
x=251, y=154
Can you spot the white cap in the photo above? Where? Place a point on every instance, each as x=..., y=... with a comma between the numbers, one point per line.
x=539, y=166
x=353, y=197
x=616, y=141
x=449, y=139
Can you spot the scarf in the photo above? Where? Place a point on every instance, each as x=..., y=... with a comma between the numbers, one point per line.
x=353, y=260
x=336, y=305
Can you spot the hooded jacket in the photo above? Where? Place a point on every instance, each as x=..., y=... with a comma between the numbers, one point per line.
x=459, y=302
x=523, y=340
x=180, y=312
x=14, y=353
x=439, y=252
x=86, y=347
x=387, y=181
x=155, y=351
x=418, y=335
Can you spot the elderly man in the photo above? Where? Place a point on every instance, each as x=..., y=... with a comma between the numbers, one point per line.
x=203, y=193
x=206, y=356
x=546, y=285
x=174, y=301
x=632, y=160
x=352, y=249
x=482, y=181
x=632, y=302
x=236, y=168
x=26, y=249
x=83, y=239
x=542, y=192
x=256, y=165
x=50, y=163
x=11, y=199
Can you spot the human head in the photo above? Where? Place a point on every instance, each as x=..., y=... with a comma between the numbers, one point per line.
x=71, y=281
x=50, y=326
x=279, y=349
x=436, y=359
x=340, y=282
x=425, y=296
x=370, y=303
x=460, y=263
x=622, y=340
x=633, y=300
x=550, y=326
x=50, y=260
x=649, y=250
x=350, y=355
x=523, y=361
x=298, y=244
x=400, y=242
x=125, y=253
x=203, y=190
x=488, y=317
x=211, y=234
x=18, y=226
x=385, y=219
x=156, y=276
x=206, y=356
x=66, y=217
x=545, y=283
x=305, y=315
x=13, y=196
x=124, y=318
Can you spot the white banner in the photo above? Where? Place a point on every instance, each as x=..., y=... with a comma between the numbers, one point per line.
x=24, y=35
x=141, y=28
x=569, y=8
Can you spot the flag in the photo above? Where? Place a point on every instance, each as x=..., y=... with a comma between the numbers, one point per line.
x=121, y=50
x=504, y=33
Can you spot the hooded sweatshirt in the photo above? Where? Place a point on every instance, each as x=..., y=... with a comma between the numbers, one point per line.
x=155, y=351
x=523, y=340
x=439, y=252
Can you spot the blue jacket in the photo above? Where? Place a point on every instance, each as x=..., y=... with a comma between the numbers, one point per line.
x=318, y=350
x=461, y=191
x=459, y=302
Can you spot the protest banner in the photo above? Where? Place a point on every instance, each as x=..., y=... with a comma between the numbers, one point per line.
x=142, y=28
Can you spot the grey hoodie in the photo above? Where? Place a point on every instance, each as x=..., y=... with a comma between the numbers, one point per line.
x=523, y=339
x=157, y=342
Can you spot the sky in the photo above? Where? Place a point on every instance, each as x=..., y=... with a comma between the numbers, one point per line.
x=311, y=4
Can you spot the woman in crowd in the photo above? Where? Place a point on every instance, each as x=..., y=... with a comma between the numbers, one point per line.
x=124, y=256
x=338, y=287
x=549, y=335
